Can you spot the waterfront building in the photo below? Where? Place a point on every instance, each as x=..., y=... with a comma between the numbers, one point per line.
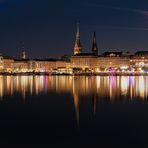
x=7, y=64
x=63, y=66
x=85, y=62
x=114, y=61
x=52, y=66
x=139, y=61
x=22, y=66
x=1, y=64
x=45, y=65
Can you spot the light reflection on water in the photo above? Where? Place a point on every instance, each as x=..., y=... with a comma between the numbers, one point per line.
x=94, y=89
x=106, y=88
x=111, y=87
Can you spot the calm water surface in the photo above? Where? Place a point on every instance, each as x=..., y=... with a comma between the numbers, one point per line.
x=85, y=110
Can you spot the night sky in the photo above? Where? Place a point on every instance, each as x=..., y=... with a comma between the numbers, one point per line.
x=46, y=28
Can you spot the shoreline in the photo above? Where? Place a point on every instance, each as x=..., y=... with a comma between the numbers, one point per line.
x=74, y=74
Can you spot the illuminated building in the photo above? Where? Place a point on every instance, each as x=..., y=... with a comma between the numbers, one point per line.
x=45, y=65
x=1, y=64
x=8, y=64
x=63, y=66
x=94, y=63
x=86, y=62
x=52, y=66
x=23, y=65
x=114, y=60
x=139, y=61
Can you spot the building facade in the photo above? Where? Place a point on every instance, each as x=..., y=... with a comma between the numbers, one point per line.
x=114, y=61
x=6, y=64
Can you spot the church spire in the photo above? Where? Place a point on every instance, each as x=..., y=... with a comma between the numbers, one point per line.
x=77, y=47
x=94, y=45
x=23, y=54
x=78, y=30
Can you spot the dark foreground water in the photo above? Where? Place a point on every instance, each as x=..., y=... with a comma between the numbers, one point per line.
x=73, y=111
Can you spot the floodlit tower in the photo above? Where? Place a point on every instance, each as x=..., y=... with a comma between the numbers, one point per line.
x=77, y=47
x=23, y=55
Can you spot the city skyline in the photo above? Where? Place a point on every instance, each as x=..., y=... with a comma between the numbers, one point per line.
x=73, y=73
x=47, y=28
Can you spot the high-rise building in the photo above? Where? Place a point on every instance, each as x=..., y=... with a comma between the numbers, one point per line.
x=94, y=45
x=77, y=47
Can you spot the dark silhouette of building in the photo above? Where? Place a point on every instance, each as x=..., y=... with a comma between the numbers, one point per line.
x=94, y=45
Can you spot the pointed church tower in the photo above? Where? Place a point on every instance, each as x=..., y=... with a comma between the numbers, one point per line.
x=94, y=45
x=23, y=55
x=77, y=47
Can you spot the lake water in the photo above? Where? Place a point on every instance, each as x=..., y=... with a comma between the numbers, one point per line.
x=73, y=110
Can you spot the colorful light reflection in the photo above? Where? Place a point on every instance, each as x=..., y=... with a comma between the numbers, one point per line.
x=109, y=87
